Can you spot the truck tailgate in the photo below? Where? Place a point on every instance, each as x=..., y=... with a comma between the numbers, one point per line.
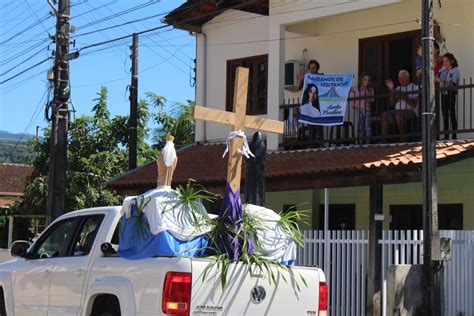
x=251, y=293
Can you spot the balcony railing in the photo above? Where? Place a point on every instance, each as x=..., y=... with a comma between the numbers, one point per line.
x=386, y=126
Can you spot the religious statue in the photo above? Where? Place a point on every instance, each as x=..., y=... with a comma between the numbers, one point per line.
x=166, y=163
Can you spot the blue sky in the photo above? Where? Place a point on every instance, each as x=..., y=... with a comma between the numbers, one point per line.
x=165, y=57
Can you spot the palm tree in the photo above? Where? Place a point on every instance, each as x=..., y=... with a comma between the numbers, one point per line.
x=177, y=121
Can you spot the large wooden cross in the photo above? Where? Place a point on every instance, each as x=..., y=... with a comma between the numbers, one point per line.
x=237, y=121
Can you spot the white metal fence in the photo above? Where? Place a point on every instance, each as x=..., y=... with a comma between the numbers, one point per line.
x=346, y=269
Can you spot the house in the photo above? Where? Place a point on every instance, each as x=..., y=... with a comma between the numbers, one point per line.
x=380, y=37
x=14, y=178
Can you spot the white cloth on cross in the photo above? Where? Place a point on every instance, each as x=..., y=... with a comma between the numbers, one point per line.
x=245, y=148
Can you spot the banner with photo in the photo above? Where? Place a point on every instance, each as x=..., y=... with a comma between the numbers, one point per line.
x=324, y=99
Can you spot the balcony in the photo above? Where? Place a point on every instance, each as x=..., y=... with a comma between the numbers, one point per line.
x=300, y=136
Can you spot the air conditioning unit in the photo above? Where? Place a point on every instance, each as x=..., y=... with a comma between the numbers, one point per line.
x=292, y=71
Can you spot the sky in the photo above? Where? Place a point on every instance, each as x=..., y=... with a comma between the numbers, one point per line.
x=165, y=57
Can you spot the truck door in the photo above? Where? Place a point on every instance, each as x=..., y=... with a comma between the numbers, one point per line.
x=70, y=272
x=32, y=275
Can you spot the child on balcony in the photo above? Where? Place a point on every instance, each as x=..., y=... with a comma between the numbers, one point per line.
x=449, y=80
x=364, y=96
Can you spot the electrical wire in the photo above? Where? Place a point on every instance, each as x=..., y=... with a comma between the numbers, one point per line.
x=25, y=70
x=23, y=52
x=36, y=16
x=160, y=55
x=120, y=25
x=26, y=29
x=32, y=120
x=23, y=61
x=108, y=18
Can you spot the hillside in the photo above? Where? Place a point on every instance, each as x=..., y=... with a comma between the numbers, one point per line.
x=4, y=135
x=15, y=152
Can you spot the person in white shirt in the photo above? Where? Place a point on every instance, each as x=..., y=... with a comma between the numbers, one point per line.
x=405, y=99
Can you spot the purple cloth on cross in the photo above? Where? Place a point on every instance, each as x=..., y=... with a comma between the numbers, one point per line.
x=231, y=213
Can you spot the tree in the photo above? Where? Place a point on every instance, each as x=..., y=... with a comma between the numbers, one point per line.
x=97, y=152
x=178, y=122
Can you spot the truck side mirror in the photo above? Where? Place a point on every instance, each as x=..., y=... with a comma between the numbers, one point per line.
x=107, y=249
x=19, y=248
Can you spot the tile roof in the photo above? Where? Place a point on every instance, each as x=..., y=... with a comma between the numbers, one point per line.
x=13, y=178
x=204, y=163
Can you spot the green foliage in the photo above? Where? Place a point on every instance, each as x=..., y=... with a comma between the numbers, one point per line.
x=189, y=203
x=290, y=221
x=138, y=218
x=178, y=121
x=97, y=152
x=246, y=232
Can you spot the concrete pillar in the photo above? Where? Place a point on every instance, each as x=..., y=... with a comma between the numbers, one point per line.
x=10, y=231
x=200, y=133
x=276, y=64
x=375, y=251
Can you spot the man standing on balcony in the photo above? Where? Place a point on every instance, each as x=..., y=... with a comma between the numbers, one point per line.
x=315, y=132
x=313, y=68
x=405, y=98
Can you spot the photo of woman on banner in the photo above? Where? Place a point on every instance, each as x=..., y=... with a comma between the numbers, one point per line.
x=310, y=101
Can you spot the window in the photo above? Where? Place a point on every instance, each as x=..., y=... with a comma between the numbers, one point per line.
x=341, y=217
x=258, y=78
x=410, y=217
x=52, y=243
x=86, y=236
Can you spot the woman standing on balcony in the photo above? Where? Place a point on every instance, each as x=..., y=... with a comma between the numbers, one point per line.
x=449, y=80
x=364, y=96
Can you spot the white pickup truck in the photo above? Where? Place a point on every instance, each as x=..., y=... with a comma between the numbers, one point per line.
x=72, y=269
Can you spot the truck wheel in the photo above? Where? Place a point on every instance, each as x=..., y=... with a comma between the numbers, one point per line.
x=3, y=310
x=106, y=305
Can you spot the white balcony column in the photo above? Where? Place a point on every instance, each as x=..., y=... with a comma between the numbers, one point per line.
x=200, y=133
x=276, y=64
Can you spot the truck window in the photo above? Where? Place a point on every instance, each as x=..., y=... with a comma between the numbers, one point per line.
x=115, y=236
x=54, y=240
x=85, y=236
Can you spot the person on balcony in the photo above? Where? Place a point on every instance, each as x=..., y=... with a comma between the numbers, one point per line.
x=364, y=97
x=316, y=132
x=405, y=99
x=437, y=62
x=449, y=81
x=313, y=68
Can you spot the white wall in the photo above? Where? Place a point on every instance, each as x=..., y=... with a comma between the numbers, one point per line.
x=231, y=35
x=336, y=41
x=330, y=36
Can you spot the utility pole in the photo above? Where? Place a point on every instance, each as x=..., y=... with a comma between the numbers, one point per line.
x=431, y=244
x=132, y=145
x=37, y=141
x=60, y=115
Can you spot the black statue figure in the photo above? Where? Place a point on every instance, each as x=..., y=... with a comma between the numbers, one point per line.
x=256, y=167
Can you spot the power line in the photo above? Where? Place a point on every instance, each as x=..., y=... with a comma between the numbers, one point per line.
x=27, y=69
x=108, y=18
x=15, y=85
x=24, y=61
x=160, y=55
x=119, y=25
x=23, y=52
x=33, y=118
x=36, y=16
x=26, y=29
